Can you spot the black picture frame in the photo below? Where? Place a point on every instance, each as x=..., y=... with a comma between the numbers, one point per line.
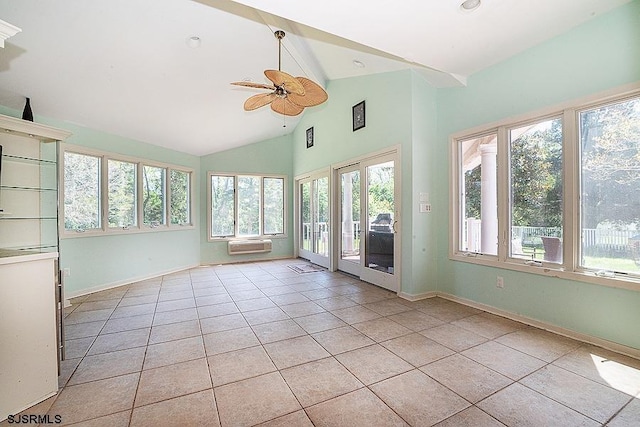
x=310, y=137
x=358, y=116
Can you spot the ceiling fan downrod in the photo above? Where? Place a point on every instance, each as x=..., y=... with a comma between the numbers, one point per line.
x=279, y=35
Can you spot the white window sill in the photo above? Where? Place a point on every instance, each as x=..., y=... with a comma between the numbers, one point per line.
x=622, y=281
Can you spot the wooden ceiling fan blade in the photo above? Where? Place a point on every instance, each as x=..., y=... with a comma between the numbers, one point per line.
x=254, y=85
x=257, y=101
x=314, y=94
x=286, y=107
x=290, y=83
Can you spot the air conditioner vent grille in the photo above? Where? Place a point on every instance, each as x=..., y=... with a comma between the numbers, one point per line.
x=236, y=247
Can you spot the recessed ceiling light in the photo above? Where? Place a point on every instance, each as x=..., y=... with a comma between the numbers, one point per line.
x=194, y=42
x=358, y=64
x=469, y=5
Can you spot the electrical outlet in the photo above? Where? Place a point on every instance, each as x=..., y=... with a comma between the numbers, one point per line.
x=500, y=282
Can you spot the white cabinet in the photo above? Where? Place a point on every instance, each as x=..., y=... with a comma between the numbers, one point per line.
x=29, y=307
x=29, y=349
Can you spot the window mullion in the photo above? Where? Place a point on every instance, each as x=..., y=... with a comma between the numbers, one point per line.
x=167, y=192
x=504, y=179
x=571, y=190
x=104, y=193
x=236, y=210
x=140, y=195
x=261, y=208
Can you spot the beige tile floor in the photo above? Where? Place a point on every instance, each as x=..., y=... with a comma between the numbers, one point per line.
x=256, y=343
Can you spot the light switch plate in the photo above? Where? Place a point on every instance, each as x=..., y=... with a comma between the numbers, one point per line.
x=425, y=207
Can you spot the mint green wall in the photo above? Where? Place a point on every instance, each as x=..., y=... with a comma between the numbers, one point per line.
x=423, y=234
x=273, y=156
x=387, y=99
x=388, y=103
x=101, y=261
x=601, y=54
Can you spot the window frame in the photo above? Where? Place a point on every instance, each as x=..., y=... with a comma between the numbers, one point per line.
x=139, y=163
x=570, y=268
x=101, y=200
x=235, y=235
x=136, y=166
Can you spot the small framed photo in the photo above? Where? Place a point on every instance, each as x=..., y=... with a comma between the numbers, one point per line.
x=310, y=137
x=358, y=116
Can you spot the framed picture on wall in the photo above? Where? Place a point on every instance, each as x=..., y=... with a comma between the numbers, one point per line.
x=310, y=137
x=358, y=116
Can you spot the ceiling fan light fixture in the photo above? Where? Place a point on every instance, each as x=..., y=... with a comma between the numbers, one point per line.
x=469, y=5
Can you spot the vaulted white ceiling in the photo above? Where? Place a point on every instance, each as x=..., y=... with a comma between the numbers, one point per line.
x=125, y=67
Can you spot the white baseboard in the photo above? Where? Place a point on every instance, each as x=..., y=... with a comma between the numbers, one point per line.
x=609, y=345
x=417, y=297
x=105, y=286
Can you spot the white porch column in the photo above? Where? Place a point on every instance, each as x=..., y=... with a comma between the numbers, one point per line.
x=347, y=213
x=489, y=197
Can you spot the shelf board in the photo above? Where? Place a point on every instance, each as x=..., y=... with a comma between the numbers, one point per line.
x=32, y=130
x=11, y=157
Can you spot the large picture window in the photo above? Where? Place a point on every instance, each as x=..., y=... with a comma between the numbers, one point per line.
x=246, y=205
x=560, y=191
x=610, y=187
x=108, y=193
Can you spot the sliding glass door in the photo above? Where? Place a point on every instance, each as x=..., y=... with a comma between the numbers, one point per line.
x=314, y=232
x=349, y=179
x=369, y=221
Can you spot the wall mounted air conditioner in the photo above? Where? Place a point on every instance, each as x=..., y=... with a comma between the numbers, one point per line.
x=237, y=247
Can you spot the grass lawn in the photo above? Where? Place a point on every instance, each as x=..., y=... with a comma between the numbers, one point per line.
x=600, y=263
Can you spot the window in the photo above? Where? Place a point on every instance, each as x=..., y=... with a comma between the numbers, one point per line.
x=479, y=205
x=535, y=162
x=122, y=194
x=610, y=187
x=82, y=201
x=273, y=206
x=180, y=197
x=222, y=206
x=246, y=205
x=514, y=185
x=153, y=195
x=108, y=193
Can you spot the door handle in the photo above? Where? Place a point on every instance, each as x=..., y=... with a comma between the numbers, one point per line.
x=394, y=226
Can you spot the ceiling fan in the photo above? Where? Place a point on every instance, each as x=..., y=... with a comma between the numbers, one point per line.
x=290, y=95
